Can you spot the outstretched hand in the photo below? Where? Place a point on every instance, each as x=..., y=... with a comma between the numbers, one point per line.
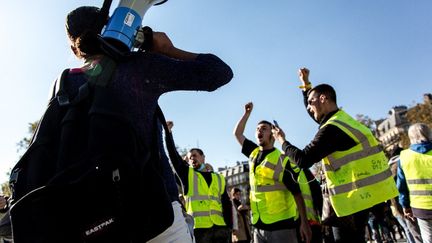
x=278, y=134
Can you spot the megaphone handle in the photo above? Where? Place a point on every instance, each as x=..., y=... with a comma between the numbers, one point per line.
x=148, y=38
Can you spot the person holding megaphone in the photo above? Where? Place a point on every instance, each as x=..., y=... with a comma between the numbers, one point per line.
x=139, y=82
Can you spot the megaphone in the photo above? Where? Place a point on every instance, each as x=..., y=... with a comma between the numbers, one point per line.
x=125, y=23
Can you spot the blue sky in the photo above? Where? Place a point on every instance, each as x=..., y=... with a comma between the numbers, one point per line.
x=377, y=54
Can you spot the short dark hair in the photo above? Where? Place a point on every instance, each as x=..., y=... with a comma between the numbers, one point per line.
x=265, y=122
x=196, y=149
x=326, y=90
x=235, y=190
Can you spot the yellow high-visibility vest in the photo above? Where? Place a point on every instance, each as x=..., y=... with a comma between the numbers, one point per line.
x=203, y=202
x=417, y=168
x=270, y=200
x=357, y=178
x=307, y=194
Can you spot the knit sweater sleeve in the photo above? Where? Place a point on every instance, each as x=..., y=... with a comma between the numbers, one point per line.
x=206, y=72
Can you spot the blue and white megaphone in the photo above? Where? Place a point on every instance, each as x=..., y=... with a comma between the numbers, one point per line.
x=125, y=24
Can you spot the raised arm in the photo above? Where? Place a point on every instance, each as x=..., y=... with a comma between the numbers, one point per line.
x=181, y=166
x=241, y=124
x=304, y=79
x=306, y=86
x=173, y=69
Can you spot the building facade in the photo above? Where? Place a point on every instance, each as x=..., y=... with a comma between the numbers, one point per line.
x=389, y=130
x=237, y=176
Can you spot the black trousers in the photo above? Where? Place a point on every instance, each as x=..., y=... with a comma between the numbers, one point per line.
x=213, y=235
x=351, y=228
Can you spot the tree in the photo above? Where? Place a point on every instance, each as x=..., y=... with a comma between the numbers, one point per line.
x=367, y=121
x=22, y=145
x=25, y=142
x=420, y=113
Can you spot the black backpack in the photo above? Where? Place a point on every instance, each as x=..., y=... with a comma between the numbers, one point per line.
x=79, y=180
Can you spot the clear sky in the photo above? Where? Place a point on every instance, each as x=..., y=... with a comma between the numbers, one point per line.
x=376, y=53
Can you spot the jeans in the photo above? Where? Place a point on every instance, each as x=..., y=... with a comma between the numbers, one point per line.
x=411, y=229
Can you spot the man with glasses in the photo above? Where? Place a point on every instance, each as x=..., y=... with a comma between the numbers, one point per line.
x=355, y=167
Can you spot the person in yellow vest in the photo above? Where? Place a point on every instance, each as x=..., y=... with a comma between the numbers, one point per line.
x=355, y=167
x=414, y=179
x=275, y=197
x=206, y=198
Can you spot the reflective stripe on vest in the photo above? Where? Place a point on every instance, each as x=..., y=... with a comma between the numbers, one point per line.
x=269, y=188
x=270, y=200
x=203, y=201
x=417, y=168
x=359, y=177
x=360, y=183
x=365, y=152
x=206, y=213
x=420, y=181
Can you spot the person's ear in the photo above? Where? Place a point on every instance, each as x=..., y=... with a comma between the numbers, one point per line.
x=322, y=98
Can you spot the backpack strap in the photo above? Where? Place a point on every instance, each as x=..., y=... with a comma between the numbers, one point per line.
x=59, y=90
x=100, y=75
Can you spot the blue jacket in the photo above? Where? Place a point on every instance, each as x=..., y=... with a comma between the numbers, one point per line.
x=401, y=180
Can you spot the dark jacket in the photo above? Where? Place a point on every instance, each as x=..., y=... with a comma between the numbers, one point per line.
x=137, y=84
x=125, y=129
x=326, y=141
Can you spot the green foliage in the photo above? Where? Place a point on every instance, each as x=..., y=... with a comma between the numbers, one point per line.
x=367, y=121
x=22, y=145
x=6, y=189
x=25, y=142
x=420, y=113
